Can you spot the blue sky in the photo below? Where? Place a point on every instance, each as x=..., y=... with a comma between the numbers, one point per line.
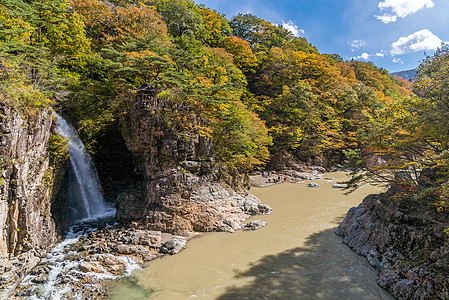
x=394, y=34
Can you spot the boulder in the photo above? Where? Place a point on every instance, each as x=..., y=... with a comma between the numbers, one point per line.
x=339, y=186
x=86, y=267
x=254, y=225
x=174, y=246
x=313, y=185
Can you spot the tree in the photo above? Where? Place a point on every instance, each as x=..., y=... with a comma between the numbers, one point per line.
x=244, y=57
x=216, y=25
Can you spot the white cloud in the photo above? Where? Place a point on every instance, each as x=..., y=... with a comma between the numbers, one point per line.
x=397, y=60
x=380, y=54
x=364, y=56
x=387, y=18
x=418, y=41
x=357, y=44
x=290, y=26
x=401, y=8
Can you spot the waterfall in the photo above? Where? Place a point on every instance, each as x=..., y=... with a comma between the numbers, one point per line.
x=88, y=209
x=85, y=195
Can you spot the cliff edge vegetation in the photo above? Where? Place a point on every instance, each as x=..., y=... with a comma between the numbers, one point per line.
x=251, y=86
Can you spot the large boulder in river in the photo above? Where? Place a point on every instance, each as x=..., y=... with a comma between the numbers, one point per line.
x=174, y=245
x=185, y=189
x=254, y=225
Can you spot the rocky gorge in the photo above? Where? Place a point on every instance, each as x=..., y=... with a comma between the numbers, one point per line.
x=405, y=239
x=182, y=191
x=180, y=194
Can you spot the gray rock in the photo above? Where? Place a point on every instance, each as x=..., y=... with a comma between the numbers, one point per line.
x=392, y=237
x=174, y=246
x=404, y=288
x=339, y=186
x=313, y=185
x=254, y=225
x=189, y=190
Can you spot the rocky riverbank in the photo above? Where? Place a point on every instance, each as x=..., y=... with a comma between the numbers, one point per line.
x=405, y=239
x=95, y=255
x=92, y=253
x=269, y=178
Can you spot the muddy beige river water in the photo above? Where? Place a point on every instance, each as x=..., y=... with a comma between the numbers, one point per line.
x=296, y=256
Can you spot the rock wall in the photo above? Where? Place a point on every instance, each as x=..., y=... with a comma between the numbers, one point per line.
x=404, y=239
x=184, y=188
x=27, y=229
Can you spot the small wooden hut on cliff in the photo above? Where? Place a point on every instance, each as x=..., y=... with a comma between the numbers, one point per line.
x=146, y=96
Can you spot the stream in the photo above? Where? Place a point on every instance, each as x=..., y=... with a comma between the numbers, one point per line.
x=296, y=256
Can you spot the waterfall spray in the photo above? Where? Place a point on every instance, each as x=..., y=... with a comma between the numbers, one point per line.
x=85, y=195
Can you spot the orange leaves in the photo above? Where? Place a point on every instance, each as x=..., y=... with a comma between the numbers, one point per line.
x=244, y=57
x=119, y=24
x=140, y=55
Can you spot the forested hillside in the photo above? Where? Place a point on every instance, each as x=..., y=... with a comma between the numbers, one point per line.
x=252, y=86
x=177, y=104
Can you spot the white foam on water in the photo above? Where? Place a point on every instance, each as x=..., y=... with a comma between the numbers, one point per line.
x=87, y=204
x=64, y=270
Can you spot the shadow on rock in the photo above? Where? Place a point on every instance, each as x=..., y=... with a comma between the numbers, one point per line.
x=324, y=269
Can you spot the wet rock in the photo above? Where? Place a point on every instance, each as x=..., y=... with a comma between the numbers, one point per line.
x=313, y=185
x=403, y=289
x=174, y=246
x=254, y=225
x=402, y=237
x=339, y=186
x=84, y=266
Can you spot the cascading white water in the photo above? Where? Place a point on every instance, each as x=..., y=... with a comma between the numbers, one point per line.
x=87, y=205
x=85, y=195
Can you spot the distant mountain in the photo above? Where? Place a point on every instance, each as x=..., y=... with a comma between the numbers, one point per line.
x=406, y=75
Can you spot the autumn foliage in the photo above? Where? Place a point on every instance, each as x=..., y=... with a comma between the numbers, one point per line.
x=251, y=86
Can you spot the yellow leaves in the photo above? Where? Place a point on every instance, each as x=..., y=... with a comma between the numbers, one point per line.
x=15, y=28
x=23, y=96
x=204, y=131
x=140, y=55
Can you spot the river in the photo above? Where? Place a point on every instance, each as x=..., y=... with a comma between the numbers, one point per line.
x=296, y=256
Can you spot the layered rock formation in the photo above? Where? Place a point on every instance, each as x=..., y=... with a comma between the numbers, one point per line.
x=27, y=228
x=184, y=188
x=405, y=239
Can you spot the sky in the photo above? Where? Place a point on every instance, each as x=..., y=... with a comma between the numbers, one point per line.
x=393, y=34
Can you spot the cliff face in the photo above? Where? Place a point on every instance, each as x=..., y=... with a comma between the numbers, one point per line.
x=27, y=229
x=184, y=189
x=404, y=238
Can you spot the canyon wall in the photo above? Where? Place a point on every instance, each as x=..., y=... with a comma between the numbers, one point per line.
x=404, y=238
x=27, y=184
x=184, y=188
